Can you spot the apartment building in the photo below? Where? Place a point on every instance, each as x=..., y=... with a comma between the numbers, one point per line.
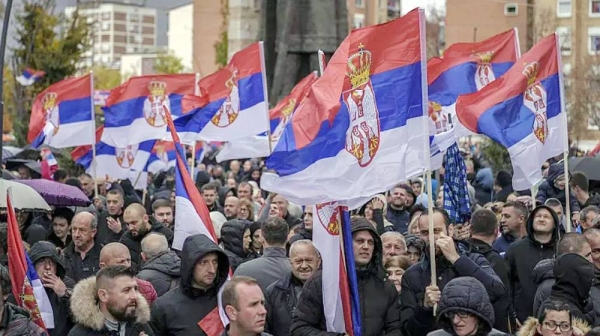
x=118, y=29
x=363, y=13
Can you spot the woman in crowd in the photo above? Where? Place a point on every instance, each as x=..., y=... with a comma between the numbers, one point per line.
x=246, y=210
x=59, y=233
x=414, y=248
x=554, y=318
x=395, y=267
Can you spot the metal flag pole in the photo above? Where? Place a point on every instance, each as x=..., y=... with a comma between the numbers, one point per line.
x=94, y=164
x=5, y=23
x=197, y=92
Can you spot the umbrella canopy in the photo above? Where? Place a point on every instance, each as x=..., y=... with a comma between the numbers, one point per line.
x=9, y=152
x=590, y=166
x=23, y=196
x=58, y=194
x=7, y=175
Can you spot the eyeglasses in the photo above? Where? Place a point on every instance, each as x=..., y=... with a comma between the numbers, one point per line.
x=461, y=315
x=551, y=325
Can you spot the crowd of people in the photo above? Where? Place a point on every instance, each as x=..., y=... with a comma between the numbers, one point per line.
x=512, y=269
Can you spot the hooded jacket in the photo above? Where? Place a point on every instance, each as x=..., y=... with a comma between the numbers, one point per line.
x=223, y=194
x=16, y=322
x=90, y=320
x=379, y=306
x=163, y=272
x=60, y=305
x=521, y=269
x=574, y=276
x=543, y=277
x=134, y=244
x=547, y=189
x=178, y=312
x=417, y=319
x=465, y=294
x=232, y=238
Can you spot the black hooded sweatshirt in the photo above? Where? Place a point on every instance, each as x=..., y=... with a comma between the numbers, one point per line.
x=232, y=238
x=522, y=256
x=178, y=312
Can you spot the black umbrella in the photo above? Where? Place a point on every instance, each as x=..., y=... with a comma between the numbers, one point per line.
x=590, y=166
x=34, y=167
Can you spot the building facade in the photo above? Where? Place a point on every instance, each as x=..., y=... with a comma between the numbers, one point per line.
x=118, y=29
x=362, y=13
x=244, y=24
x=181, y=34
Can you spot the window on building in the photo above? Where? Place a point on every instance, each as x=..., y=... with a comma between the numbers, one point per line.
x=511, y=9
x=105, y=47
x=106, y=15
x=564, y=38
x=594, y=40
x=359, y=21
x=594, y=7
x=105, y=26
x=359, y=3
x=563, y=8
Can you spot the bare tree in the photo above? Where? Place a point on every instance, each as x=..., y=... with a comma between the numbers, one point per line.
x=542, y=23
x=581, y=87
x=434, y=27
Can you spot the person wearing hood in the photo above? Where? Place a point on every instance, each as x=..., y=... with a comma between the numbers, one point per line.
x=513, y=225
x=235, y=238
x=554, y=318
x=225, y=192
x=139, y=225
x=161, y=267
x=204, y=270
x=452, y=260
x=580, y=187
x=465, y=315
x=51, y=270
x=379, y=306
x=484, y=229
x=109, y=304
x=540, y=243
x=554, y=187
x=502, y=186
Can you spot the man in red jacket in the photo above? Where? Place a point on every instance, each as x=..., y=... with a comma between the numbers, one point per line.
x=118, y=254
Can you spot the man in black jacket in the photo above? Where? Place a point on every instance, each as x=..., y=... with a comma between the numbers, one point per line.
x=282, y=296
x=378, y=298
x=418, y=296
x=139, y=224
x=204, y=269
x=110, y=221
x=484, y=230
x=82, y=256
x=522, y=256
x=51, y=270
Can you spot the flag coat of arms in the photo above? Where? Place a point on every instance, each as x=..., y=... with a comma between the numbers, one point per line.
x=362, y=127
x=465, y=68
x=279, y=116
x=62, y=115
x=523, y=111
x=136, y=110
x=237, y=102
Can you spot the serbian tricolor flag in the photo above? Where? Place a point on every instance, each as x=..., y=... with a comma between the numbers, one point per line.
x=29, y=76
x=465, y=68
x=362, y=126
x=523, y=111
x=136, y=110
x=62, y=115
x=258, y=146
x=27, y=288
x=164, y=155
x=333, y=238
x=237, y=103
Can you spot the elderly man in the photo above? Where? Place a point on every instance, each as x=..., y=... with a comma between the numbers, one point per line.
x=393, y=244
x=282, y=296
x=83, y=254
x=162, y=267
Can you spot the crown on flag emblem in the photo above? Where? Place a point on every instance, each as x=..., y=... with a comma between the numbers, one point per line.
x=287, y=110
x=485, y=57
x=434, y=108
x=49, y=100
x=157, y=88
x=359, y=67
x=530, y=71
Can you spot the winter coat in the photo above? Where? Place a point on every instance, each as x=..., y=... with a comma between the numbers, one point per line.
x=484, y=186
x=281, y=299
x=16, y=322
x=63, y=321
x=379, y=306
x=303, y=234
x=51, y=237
x=134, y=244
x=105, y=235
x=78, y=269
x=465, y=294
x=232, y=238
x=502, y=243
x=90, y=320
x=521, y=269
x=163, y=272
x=270, y=267
x=592, y=200
x=502, y=307
x=547, y=189
x=178, y=312
x=399, y=218
x=383, y=225
x=529, y=327
x=543, y=277
x=147, y=290
x=418, y=320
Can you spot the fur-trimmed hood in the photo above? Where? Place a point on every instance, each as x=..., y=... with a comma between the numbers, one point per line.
x=528, y=328
x=87, y=313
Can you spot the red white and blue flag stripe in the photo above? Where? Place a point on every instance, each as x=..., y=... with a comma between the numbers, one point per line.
x=29, y=76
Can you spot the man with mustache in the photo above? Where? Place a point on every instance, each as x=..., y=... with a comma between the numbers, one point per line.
x=110, y=304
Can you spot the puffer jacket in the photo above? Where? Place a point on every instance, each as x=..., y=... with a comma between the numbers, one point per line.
x=63, y=321
x=465, y=294
x=281, y=299
x=178, y=312
x=521, y=269
x=163, y=272
x=547, y=189
x=543, y=277
x=379, y=306
x=18, y=322
x=232, y=238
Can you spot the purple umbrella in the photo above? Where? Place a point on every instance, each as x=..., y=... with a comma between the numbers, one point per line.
x=58, y=194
